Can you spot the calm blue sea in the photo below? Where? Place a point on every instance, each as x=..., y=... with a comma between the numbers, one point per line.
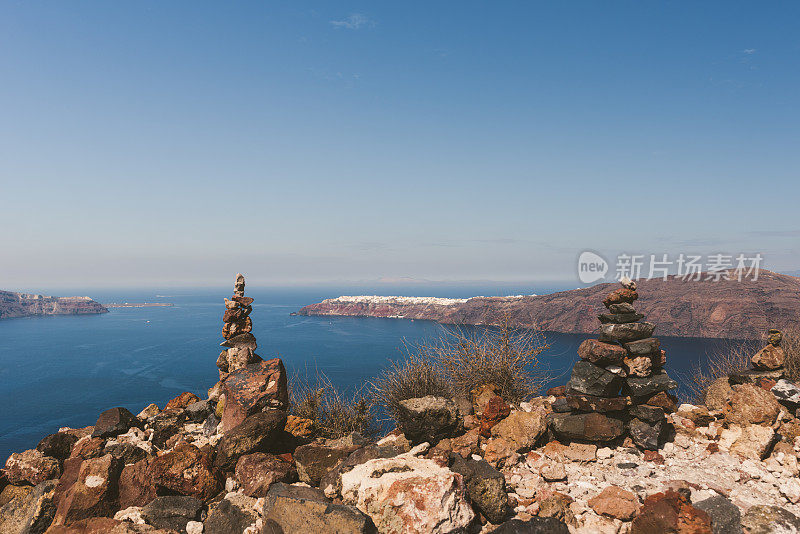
x=63, y=371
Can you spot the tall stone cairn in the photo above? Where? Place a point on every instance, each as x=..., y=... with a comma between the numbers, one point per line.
x=240, y=342
x=619, y=386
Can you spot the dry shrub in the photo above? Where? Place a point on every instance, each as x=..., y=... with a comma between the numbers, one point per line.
x=791, y=346
x=503, y=356
x=461, y=360
x=416, y=375
x=729, y=357
x=333, y=414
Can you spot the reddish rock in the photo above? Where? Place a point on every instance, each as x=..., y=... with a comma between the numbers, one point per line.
x=258, y=471
x=615, y=502
x=750, y=404
x=601, y=353
x=766, y=383
x=299, y=427
x=653, y=456
x=93, y=494
x=58, y=445
x=663, y=400
x=181, y=401
x=558, y=391
x=769, y=358
x=113, y=422
x=72, y=467
x=618, y=296
x=136, y=487
x=591, y=403
x=253, y=388
x=186, y=470
x=670, y=512
x=31, y=467
x=587, y=426
x=244, y=301
x=495, y=411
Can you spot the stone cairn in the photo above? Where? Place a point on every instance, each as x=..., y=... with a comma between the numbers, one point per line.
x=618, y=386
x=767, y=364
x=240, y=342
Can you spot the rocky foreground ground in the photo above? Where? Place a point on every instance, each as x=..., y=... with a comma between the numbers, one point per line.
x=493, y=468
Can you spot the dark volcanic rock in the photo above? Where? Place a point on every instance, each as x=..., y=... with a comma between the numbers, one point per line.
x=534, y=525
x=586, y=426
x=725, y=516
x=645, y=435
x=590, y=403
x=619, y=318
x=255, y=434
x=258, y=471
x=752, y=376
x=113, y=422
x=57, y=445
x=486, y=487
x=227, y=517
x=648, y=386
x=172, y=511
x=315, y=460
x=302, y=509
x=643, y=347
x=650, y=414
x=429, y=419
x=592, y=379
x=769, y=520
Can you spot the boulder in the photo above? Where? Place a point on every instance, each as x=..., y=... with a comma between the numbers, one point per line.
x=232, y=514
x=645, y=435
x=647, y=386
x=672, y=512
x=172, y=512
x=429, y=419
x=754, y=442
x=718, y=394
x=786, y=392
x=750, y=404
x=591, y=379
x=253, y=388
x=57, y=445
x=486, y=487
x=591, y=403
x=769, y=358
x=127, y=452
x=601, y=353
x=764, y=519
x=725, y=516
x=534, y=525
x=186, y=470
x=315, y=460
x=619, y=318
x=624, y=333
x=521, y=429
x=136, y=487
x=182, y=401
x=255, y=434
x=94, y=493
x=31, y=467
x=586, y=426
x=615, y=502
x=30, y=512
x=304, y=509
x=258, y=471
x=113, y=422
x=408, y=494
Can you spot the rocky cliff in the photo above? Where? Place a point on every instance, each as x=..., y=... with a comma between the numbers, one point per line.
x=25, y=304
x=723, y=309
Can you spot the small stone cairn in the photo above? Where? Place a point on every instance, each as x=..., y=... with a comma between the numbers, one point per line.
x=618, y=386
x=240, y=342
x=767, y=364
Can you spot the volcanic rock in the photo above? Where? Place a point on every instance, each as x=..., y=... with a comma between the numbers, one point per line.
x=643, y=347
x=303, y=509
x=752, y=405
x=601, y=353
x=769, y=358
x=645, y=435
x=182, y=401
x=495, y=411
x=648, y=386
x=429, y=419
x=769, y=520
x=186, y=470
x=172, y=512
x=113, y=422
x=787, y=392
x=253, y=388
x=521, y=429
x=486, y=487
x=587, y=426
x=615, y=502
x=258, y=471
x=725, y=516
x=670, y=512
x=619, y=296
x=592, y=379
x=534, y=525
x=234, y=513
x=136, y=486
x=590, y=403
x=619, y=318
x=29, y=513
x=315, y=460
x=94, y=493
x=57, y=445
x=255, y=434
x=31, y=467
x=718, y=394
x=623, y=333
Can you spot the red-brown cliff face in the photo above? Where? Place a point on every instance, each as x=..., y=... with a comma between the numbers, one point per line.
x=723, y=309
x=24, y=305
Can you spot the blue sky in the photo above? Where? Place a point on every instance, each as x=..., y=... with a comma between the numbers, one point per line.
x=174, y=143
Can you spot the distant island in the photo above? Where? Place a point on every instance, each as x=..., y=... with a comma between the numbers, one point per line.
x=138, y=304
x=28, y=305
x=729, y=309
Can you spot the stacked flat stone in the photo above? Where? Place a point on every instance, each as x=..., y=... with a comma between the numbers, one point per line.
x=767, y=364
x=619, y=385
x=240, y=342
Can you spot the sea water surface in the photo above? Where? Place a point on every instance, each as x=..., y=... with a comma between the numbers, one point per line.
x=63, y=371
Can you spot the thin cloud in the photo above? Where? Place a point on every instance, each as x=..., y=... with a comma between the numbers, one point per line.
x=356, y=21
x=749, y=51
